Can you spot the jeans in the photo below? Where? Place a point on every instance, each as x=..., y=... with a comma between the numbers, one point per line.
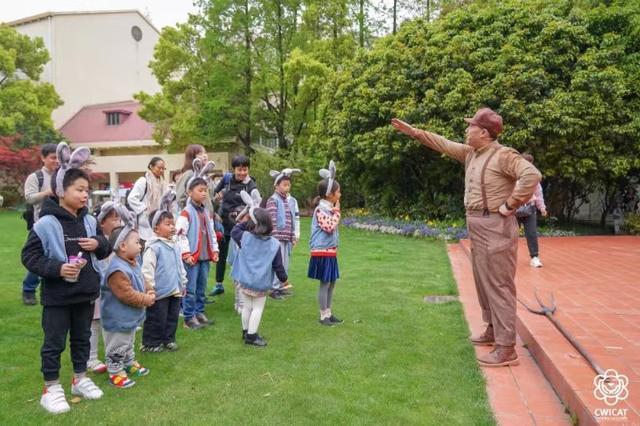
x=30, y=282
x=196, y=287
x=285, y=252
x=530, y=224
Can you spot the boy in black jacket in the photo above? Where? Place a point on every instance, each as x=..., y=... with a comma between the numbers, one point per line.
x=70, y=286
x=227, y=193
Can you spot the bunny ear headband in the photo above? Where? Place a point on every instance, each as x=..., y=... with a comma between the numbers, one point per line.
x=69, y=160
x=201, y=170
x=166, y=202
x=330, y=175
x=129, y=224
x=252, y=201
x=108, y=207
x=277, y=176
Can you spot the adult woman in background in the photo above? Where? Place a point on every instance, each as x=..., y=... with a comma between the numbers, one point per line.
x=527, y=216
x=146, y=194
x=191, y=153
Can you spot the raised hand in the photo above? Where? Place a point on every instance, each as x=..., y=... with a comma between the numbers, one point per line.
x=403, y=127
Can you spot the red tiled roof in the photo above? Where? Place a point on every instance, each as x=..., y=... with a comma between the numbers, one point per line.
x=90, y=124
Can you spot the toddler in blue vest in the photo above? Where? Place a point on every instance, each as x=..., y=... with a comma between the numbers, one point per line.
x=71, y=282
x=124, y=299
x=285, y=215
x=256, y=262
x=197, y=239
x=163, y=270
x=108, y=219
x=323, y=243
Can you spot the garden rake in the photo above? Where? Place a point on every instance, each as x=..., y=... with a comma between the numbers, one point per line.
x=548, y=310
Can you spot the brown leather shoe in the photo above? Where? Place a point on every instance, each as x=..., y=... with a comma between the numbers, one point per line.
x=484, y=339
x=500, y=356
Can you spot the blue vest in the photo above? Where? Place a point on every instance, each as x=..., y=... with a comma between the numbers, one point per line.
x=319, y=238
x=50, y=232
x=115, y=315
x=253, y=266
x=281, y=212
x=102, y=266
x=168, y=264
x=233, y=252
x=194, y=228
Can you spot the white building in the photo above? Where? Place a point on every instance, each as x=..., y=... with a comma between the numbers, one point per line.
x=96, y=57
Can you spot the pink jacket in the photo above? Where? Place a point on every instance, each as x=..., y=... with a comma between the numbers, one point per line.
x=538, y=198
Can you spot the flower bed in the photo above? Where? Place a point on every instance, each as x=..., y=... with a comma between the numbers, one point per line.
x=434, y=230
x=451, y=231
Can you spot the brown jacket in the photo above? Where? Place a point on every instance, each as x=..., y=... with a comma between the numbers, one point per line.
x=121, y=287
x=508, y=176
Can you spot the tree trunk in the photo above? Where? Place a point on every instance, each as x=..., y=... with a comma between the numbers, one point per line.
x=395, y=15
x=248, y=76
x=361, y=23
x=282, y=141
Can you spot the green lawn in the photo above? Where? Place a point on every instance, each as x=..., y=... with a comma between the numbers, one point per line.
x=395, y=360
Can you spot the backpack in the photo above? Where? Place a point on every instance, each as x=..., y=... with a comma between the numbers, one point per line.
x=29, y=213
x=227, y=181
x=126, y=196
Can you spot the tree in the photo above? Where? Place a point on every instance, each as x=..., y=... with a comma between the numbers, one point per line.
x=563, y=74
x=25, y=103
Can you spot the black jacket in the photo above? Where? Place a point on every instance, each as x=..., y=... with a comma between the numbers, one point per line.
x=232, y=200
x=55, y=290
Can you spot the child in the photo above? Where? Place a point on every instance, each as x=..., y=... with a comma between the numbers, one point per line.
x=283, y=209
x=242, y=217
x=108, y=220
x=227, y=193
x=163, y=270
x=71, y=282
x=254, y=266
x=323, y=265
x=124, y=298
x=198, y=244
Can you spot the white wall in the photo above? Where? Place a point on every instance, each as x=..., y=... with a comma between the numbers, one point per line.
x=95, y=58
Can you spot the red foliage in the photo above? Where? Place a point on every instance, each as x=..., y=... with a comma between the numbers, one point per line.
x=16, y=164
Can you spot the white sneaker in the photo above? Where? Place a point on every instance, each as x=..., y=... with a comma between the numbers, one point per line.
x=53, y=400
x=86, y=389
x=535, y=262
x=96, y=366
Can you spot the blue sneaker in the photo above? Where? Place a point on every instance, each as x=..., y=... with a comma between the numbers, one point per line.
x=219, y=289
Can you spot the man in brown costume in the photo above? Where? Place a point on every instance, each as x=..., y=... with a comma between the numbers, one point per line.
x=497, y=181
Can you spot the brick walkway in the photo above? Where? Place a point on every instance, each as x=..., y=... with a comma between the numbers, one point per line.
x=596, y=284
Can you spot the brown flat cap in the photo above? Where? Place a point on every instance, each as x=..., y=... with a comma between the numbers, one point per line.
x=487, y=119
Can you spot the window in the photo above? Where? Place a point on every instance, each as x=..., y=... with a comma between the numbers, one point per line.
x=113, y=118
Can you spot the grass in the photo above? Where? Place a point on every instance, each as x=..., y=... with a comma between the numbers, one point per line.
x=395, y=360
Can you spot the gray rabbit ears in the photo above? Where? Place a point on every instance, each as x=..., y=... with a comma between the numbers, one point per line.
x=69, y=160
x=329, y=174
x=108, y=206
x=201, y=170
x=126, y=216
x=166, y=205
x=252, y=201
x=277, y=176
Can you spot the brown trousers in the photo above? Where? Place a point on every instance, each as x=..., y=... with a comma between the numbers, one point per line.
x=494, y=251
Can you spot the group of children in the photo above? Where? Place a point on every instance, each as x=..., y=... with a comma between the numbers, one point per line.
x=99, y=279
